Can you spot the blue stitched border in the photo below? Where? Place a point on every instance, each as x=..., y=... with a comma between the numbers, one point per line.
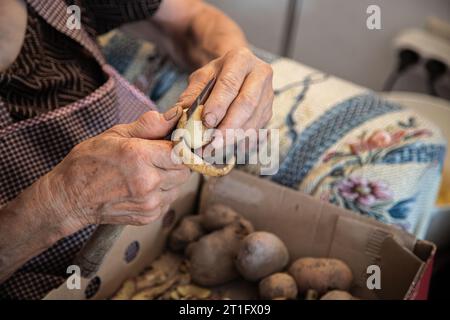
x=120, y=51
x=423, y=153
x=325, y=132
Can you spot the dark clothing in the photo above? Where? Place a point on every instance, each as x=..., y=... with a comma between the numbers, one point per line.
x=52, y=70
x=52, y=78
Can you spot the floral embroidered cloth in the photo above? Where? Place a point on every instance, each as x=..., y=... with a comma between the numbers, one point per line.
x=343, y=144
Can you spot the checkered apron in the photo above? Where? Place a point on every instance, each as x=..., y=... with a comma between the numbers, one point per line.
x=31, y=148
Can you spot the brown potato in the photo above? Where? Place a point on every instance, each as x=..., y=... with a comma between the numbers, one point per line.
x=217, y=217
x=321, y=274
x=188, y=230
x=277, y=286
x=211, y=258
x=261, y=254
x=337, y=295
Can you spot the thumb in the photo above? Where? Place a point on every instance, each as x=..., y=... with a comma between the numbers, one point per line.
x=154, y=125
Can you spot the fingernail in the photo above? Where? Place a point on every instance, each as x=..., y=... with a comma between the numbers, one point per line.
x=210, y=119
x=171, y=113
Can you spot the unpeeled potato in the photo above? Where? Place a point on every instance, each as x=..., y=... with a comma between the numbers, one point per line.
x=321, y=275
x=218, y=216
x=261, y=254
x=211, y=258
x=337, y=295
x=278, y=286
x=188, y=230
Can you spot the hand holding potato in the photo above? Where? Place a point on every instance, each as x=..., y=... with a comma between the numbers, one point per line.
x=242, y=96
x=123, y=176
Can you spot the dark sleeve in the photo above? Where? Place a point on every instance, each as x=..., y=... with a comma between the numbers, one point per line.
x=106, y=15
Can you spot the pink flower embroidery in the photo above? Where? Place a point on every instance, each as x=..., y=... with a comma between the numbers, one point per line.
x=421, y=133
x=378, y=139
x=363, y=192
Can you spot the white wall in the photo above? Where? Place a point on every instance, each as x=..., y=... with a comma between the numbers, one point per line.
x=331, y=35
x=262, y=20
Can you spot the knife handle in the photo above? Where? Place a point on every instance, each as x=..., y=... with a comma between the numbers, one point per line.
x=94, y=251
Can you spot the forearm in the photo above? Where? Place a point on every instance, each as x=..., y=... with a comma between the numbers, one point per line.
x=215, y=32
x=204, y=31
x=27, y=227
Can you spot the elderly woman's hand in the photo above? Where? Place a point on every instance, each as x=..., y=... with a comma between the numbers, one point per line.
x=242, y=96
x=123, y=176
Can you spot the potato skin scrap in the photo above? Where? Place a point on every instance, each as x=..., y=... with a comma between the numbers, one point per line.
x=321, y=274
x=278, y=286
x=154, y=292
x=261, y=254
x=126, y=291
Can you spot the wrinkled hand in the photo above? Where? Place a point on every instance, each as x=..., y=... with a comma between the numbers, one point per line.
x=242, y=96
x=122, y=176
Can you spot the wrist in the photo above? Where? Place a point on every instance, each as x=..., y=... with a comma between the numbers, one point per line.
x=39, y=211
x=29, y=225
x=57, y=206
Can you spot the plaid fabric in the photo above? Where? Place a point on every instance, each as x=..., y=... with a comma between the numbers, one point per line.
x=5, y=118
x=32, y=147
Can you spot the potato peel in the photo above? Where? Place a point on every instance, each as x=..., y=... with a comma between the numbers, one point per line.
x=189, y=158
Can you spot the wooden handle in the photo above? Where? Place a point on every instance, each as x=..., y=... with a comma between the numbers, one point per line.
x=92, y=254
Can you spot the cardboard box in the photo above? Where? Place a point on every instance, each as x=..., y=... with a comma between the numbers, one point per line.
x=307, y=226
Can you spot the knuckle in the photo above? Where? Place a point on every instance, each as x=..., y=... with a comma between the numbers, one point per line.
x=240, y=52
x=118, y=129
x=78, y=149
x=147, y=120
x=130, y=151
x=154, y=180
x=151, y=204
x=198, y=75
x=229, y=81
x=267, y=69
x=267, y=116
x=194, y=75
x=141, y=186
x=165, y=149
x=140, y=220
x=249, y=101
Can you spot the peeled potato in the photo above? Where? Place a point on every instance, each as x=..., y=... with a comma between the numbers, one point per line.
x=197, y=134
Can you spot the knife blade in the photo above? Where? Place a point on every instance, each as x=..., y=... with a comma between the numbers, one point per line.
x=202, y=97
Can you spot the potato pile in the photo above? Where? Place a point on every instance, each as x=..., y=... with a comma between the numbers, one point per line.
x=219, y=246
